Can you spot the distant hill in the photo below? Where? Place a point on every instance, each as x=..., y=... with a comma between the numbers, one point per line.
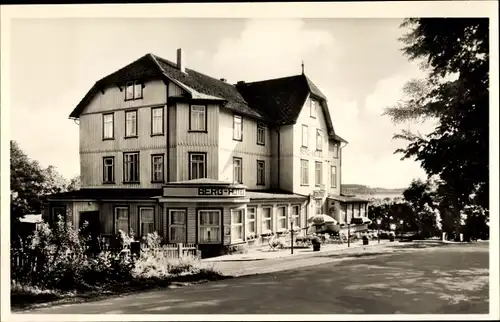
x=359, y=189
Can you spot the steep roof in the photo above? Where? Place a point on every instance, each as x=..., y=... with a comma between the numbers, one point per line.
x=277, y=101
x=281, y=100
x=198, y=85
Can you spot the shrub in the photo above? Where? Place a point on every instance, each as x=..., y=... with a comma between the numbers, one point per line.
x=235, y=249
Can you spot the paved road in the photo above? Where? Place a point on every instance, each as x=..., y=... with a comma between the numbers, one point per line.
x=448, y=279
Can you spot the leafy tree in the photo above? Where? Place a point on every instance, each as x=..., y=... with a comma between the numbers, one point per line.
x=455, y=51
x=74, y=184
x=29, y=183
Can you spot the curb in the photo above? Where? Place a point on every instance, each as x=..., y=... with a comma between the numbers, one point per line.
x=298, y=256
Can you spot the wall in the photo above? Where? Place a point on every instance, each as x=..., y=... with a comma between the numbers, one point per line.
x=184, y=141
x=247, y=149
x=310, y=153
x=334, y=162
x=286, y=159
x=93, y=148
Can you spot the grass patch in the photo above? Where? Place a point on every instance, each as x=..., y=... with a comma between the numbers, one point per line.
x=25, y=297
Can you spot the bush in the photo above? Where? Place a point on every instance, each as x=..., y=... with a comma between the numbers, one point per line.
x=235, y=249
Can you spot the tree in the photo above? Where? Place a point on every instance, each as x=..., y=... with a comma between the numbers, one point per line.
x=455, y=51
x=29, y=183
x=74, y=184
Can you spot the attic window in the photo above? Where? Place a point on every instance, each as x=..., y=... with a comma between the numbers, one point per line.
x=133, y=90
x=312, y=107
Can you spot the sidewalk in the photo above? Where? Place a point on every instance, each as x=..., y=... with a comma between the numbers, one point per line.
x=263, y=261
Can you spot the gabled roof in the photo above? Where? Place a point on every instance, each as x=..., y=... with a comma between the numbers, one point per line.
x=281, y=100
x=277, y=101
x=197, y=85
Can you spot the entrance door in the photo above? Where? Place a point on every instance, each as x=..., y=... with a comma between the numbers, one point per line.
x=92, y=228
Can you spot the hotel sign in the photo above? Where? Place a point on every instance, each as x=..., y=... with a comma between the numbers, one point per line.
x=221, y=192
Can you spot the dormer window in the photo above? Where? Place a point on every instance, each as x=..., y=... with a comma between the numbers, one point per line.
x=312, y=106
x=133, y=91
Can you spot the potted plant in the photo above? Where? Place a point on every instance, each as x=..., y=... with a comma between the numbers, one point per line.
x=316, y=242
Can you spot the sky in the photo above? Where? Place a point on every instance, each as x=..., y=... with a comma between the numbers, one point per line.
x=356, y=62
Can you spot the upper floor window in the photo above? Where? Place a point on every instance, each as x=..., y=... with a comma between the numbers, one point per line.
x=335, y=150
x=198, y=118
x=261, y=172
x=197, y=166
x=133, y=90
x=261, y=134
x=312, y=106
x=157, y=121
x=108, y=126
x=305, y=136
x=157, y=168
x=319, y=140
x=131, y=167
x=333, y=178
x=238, y=170
x=304, y=172
x=318, y=171
x=108, y=174
x=237, y=128
x=130, y=124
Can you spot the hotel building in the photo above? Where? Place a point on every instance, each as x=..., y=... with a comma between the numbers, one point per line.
x=168, y=149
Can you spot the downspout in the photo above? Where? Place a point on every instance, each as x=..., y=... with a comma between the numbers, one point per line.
x=168, y=133
x=278, y=156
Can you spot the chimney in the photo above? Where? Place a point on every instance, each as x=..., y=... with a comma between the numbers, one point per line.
x=181, y=60
x=223, y=80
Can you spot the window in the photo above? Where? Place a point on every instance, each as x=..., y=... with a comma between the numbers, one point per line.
x=177, y=225
x=210, y=226
x=237, y=128
x=122, y=220
x=335, y=150
x=157, y=167
x=237, y=170
x=356, y=211
x=304, y=172
x=261, y=134
x=237, y=225
x=305, y=136
x=197, y=166
x=198, y=118
x=108, y=126
x=296, y=215
x=318, y=205
x=281, y=217
x=57, y=211
x=131, y=167
x=108, y=174
x=251, y=228
x=133, y=90
x=319, y=140
x=312, y=106
x=261, y=172
x=318, y=168
x=333, y=176
x=130, y=124
x=147, y=220
x=267, y=225
x=157, y=118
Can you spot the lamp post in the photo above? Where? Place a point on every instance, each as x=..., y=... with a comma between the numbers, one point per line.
x=348, y=234
x=291, y=233
x=378, y=228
